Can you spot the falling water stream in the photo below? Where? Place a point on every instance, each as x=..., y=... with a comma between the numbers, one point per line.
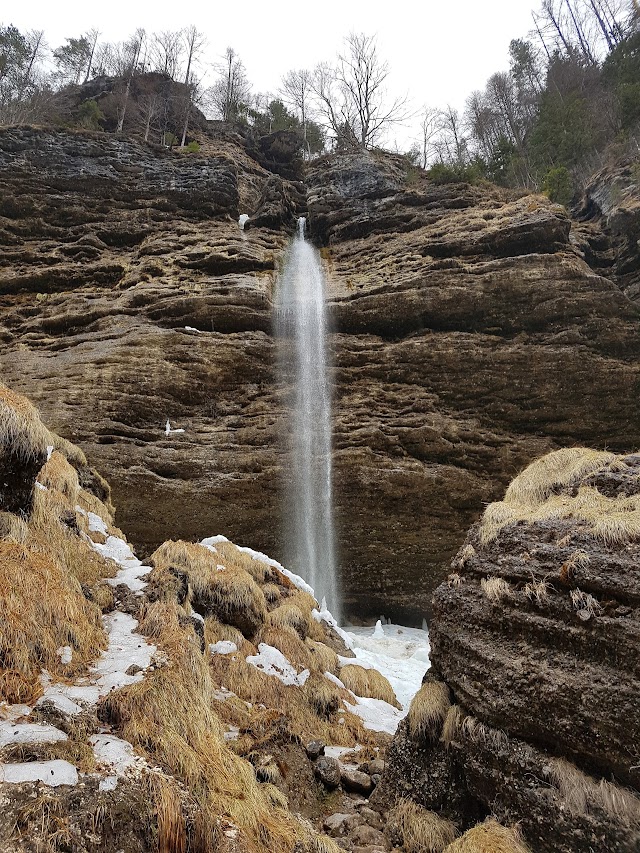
x=302, y=334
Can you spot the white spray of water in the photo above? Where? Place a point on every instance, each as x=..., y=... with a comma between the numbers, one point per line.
x=302, y=331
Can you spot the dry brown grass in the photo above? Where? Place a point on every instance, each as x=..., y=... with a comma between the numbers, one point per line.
x=13, y=528
x=369, y=683
x=215, y=631
x=489, y=837
x=169, y=716
x=323, y=659
x=417, y=830
x=21, y=430
x=496, y=589
x=287, y=615
x=452, y=725
x=58, y=474
x=172, y=836
x=477, y=732
x=537, y=591
x=230, y=593
x=288, y=641
x=41, y=609
x=582, y=794
x=533, y=497
x=556, y=470
x=585, y=603
x=428, y=710
x=76, y=752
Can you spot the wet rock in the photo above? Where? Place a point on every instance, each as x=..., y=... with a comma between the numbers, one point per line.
x=328, y=771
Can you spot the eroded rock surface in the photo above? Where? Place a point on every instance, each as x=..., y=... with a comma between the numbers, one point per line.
x=535, y=635
x=470, y=336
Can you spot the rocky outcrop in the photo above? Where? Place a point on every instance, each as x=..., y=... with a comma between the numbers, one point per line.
x=534, y=641
x=469, y=337
x=609, y=224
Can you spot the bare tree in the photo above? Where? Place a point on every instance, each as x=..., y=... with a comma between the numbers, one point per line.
x=166, y=52
x=194, y=42
x=430, y=127
x=296, y=92
x=129, y=59
x=352, y=96
x=451, y=144
x=231, y=92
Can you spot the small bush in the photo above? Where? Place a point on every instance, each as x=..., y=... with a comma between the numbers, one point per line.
x=193, y=147
x=558, y=185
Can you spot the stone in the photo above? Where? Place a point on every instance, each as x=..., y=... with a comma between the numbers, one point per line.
x=314, y=749
x=375, y=767
x=371, y=817
x=335, y=824
x=367, y=835
x=355, y=780
x=328, y=771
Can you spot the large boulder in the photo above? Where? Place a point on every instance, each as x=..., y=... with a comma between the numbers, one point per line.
x=535, y=637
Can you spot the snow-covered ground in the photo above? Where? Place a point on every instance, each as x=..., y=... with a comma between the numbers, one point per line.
x=401, y=654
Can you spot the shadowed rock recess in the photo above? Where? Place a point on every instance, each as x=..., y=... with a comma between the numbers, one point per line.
x=530, y=709
x=470, y=336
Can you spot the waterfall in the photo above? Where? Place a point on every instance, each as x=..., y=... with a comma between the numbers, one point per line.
x=301, y=328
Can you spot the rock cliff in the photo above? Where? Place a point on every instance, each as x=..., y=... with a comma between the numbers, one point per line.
x=469, y=337
x=529, y=712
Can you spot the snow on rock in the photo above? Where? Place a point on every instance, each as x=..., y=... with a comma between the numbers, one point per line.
x=96, y=524
x=271, y=661
x=115, y=754
x=11, y=713
x=191, y=329
x=326, y=616
x=11, y=733
x=296, y=580
x=223, y=647
x=52, y=773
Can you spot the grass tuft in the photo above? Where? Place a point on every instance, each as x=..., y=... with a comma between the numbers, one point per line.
x=489, y=837
x=428, y=710
x=417, y=830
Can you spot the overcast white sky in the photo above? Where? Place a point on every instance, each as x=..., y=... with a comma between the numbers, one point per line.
x=438, y=50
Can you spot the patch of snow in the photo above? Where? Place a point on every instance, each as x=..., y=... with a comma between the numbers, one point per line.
x=242, y=220
x=191, y=329
x=96, y=524
x=271, y=661
x=114, y=753
x=376, y=715
x=197, y=616
x=131, y=569
x=52, y=773
x=41, y=487
x=29, y=733
x=378, y=631
x=232, y=733
x=126, y=648
x=10, y=713
x=109, y=783
x=220, y=568
x=65, y=654
x=223, y=647
x=326, y=616
x=400, y=654
x=334, y=679
x=222, y=694
x=49, y=451
x=338, y=751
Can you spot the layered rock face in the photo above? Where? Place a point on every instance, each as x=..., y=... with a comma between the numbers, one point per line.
x=469, y=337
x=530, y=707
